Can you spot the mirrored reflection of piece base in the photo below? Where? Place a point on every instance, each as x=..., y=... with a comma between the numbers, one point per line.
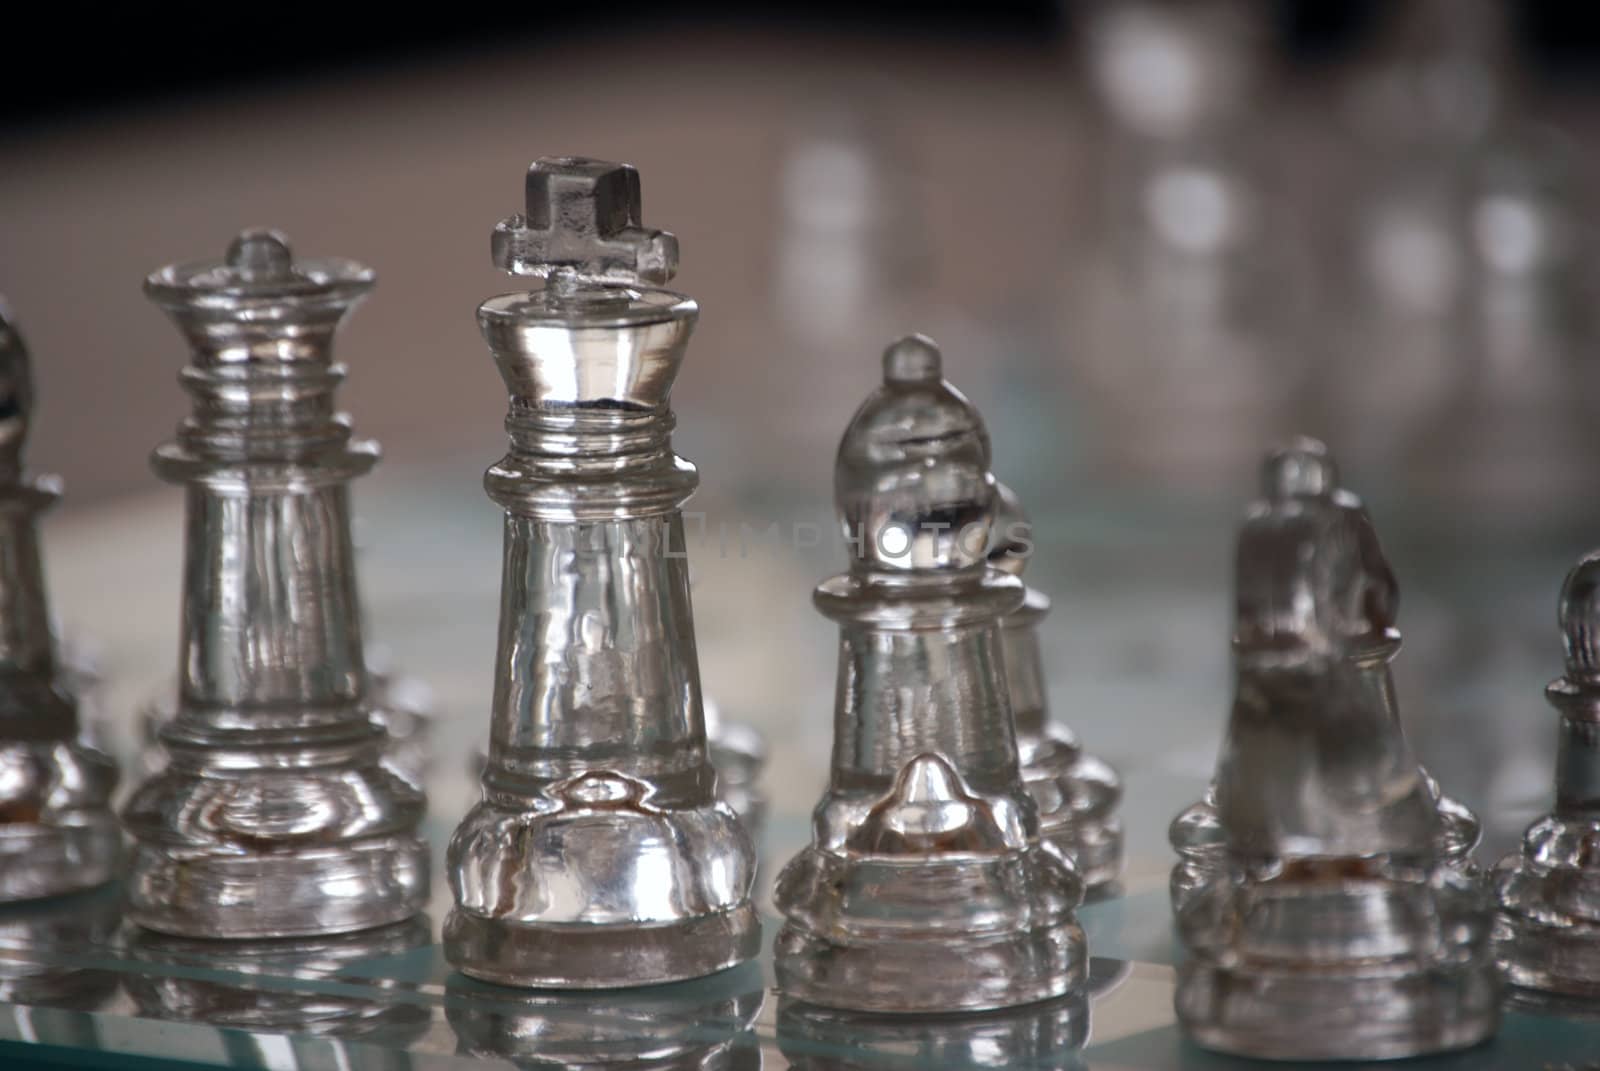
x=223, y=893
x=1049, y=1034
x=931, y=973
x=51, y=860
x=1289, y=1014
x=282, y=985
x=599, y=956
x=1541, y=957
x=700, y=1025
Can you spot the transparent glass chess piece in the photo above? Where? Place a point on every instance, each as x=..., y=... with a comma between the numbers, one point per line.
x=1547, y=928
x=1455, y=341
x=1179, y=318
x=925, y=887
x=600, y=855
x=58, y=833
x=313, y=987
x=1076, y=793
x=703, y=1024
x=276, y=814
x=1196, y=833
x=1329, y=925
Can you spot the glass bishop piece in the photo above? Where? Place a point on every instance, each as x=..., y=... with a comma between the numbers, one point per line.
x=276, y=814
x=925, y=887
x=600, y=855
x=1327, y=923
x=1076, y=793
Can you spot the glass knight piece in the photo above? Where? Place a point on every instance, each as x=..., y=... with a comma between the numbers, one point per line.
x=600, y=855
x=276, y=814
x=58, y=833
x=1329, y=925
x=1196, y=833
x=926, y=887
x=1076, y=793
x=1547, y=930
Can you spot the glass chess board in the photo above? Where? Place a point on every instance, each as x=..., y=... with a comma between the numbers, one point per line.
x=1137, y=653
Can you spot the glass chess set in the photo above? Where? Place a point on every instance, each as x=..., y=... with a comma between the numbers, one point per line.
x=304, y=869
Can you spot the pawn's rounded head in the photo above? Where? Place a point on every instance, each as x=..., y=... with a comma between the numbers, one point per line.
x=1301, y=468
x=1579, y=615
x=911, y=480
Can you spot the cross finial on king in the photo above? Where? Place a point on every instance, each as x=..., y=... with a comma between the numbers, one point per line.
x=582, y=225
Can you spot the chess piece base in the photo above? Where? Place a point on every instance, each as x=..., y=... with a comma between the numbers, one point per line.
x=51, y=844
x=51, y=860
x=1077, y=795
x=593, y=882
x=1018, y=953
x=589, y=956
x=1547, y=928
x=225, y=892
x=1544, y=958
x=1362, y=1015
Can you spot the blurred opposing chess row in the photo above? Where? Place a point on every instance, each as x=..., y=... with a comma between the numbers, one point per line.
x=1176, y=238
x=1390, y=252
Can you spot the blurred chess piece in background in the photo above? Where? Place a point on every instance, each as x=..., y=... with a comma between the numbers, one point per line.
x=1180, y=307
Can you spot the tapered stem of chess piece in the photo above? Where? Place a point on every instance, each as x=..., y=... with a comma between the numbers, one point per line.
x=1329, y=926
x=600, y=855
x=925, y=887
x=57, y=830
x=276, y=815
x=1076, y=793
x=1196, y=833
x=1547, y=930
x=401, y=704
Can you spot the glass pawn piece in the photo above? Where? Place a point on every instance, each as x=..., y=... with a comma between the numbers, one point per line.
x=925, y=887
x=1330, y=925
x=1076, y=793
x=58, y=833
x=600, y=855
x=1547, y=930
x=276, y=814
